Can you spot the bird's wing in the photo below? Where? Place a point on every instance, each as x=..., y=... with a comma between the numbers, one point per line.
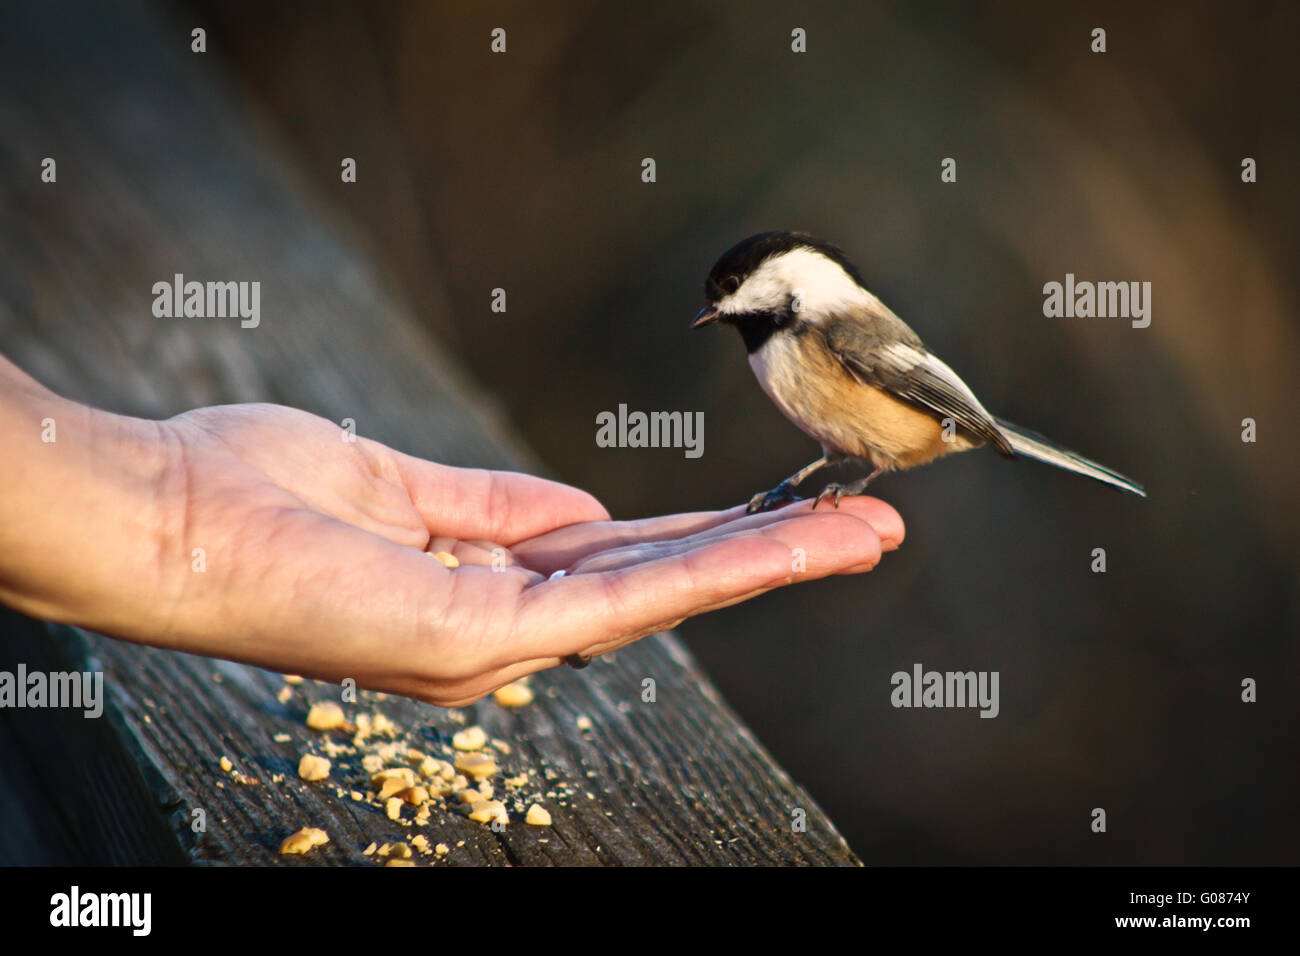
x=906, y=369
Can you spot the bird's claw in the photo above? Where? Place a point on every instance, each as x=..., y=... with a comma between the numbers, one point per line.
x=782, y=494
x=835, y=489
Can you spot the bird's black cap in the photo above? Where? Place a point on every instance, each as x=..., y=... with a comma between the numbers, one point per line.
x=748, y=254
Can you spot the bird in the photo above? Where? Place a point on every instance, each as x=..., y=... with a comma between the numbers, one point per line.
x=851, y=374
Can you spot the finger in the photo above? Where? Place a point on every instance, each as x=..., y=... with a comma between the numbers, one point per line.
x=502, y=506
x=563, y=616
x=564, y=548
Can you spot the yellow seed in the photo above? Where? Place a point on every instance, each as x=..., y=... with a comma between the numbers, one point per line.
x=405, y=776
x=479, y=766
x=486, y=811
x=471, y=738
x=305, y=839
x=538, y=816
x=414, y=795
x=450, y=560
x=325, y=715
x=226, y=765
x=514, y=695
x=312, y=767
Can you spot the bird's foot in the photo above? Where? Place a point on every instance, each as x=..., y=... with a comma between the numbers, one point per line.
x=782, y=494
x=839, y=491
x=834, y=488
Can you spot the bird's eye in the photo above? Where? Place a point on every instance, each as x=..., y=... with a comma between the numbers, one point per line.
x=730, y=284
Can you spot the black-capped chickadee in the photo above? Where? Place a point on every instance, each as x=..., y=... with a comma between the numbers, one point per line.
x=850, y=373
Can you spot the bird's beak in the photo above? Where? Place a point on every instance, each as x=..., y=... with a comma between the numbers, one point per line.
x=708, y=315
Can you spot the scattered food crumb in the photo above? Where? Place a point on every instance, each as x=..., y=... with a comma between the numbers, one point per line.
x=450, y=560
x=304, y=840
x=312, y=767
x=538, y=816
x=584, y=722
x=514, y=695
x=471, y=738
x=477, y=765
x=226, y=765
x=325, y=715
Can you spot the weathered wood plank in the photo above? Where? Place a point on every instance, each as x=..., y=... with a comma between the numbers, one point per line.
x=159, y=172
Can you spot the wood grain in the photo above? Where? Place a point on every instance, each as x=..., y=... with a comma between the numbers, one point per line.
x=161, y=170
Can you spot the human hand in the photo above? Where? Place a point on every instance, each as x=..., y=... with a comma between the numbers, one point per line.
x=316, y=558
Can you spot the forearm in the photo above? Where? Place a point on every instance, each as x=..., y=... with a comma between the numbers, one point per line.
x=79, y=517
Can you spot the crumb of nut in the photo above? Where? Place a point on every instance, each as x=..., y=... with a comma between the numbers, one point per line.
x=458, y=783
x=538, y=816
x=382, y=725
x=400, y=850
x=479, y=766
x=325, y=715
x=357, y=795
x=584, y=722
x=291, y=678
x=369, y=851
x=442, y=849
x=283, y=694
x=514, y=695
x=282, y=738
x=421, y=843
x=385, y=849
x=395, y=861
x=514, y=783
x=432, y=767
x=501, y=745
x=470, y=797
x=422, y=816
x=413, y=795
x=311, y=767
x=485, y=811
x=226, y=765
x=450, y=560
x=485, y=788
x=403, y=775
x=415, y=756
x=305, y=839
x=372, y=763
x=471, y=738
x=393, y=808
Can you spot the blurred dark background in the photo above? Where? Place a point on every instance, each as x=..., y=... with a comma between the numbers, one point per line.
x=1118, y=690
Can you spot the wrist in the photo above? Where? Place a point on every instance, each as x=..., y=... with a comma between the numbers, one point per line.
x=80, y=519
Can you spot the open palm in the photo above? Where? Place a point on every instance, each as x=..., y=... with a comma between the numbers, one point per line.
x=288, y=547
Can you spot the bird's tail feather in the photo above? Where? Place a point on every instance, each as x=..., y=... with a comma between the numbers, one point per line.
x=1033, y=445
